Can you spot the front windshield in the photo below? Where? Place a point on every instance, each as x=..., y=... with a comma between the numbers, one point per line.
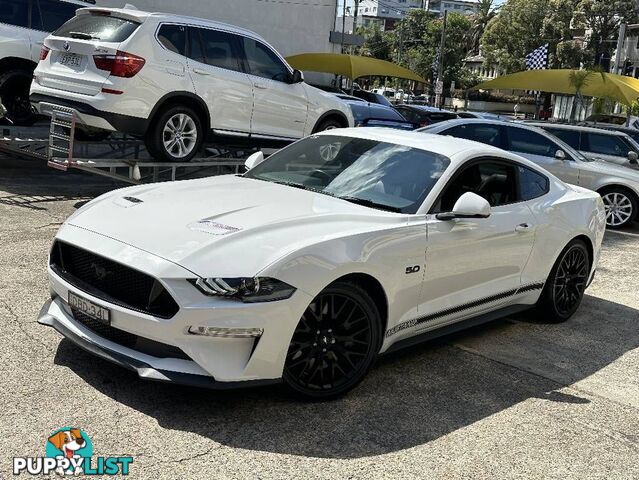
x=376, y=174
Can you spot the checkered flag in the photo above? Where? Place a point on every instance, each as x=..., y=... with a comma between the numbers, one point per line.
x=537, y=60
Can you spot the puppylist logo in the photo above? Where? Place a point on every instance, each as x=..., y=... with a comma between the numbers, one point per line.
x=69, y=451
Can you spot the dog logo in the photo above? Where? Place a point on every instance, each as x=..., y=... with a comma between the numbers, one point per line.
x=101, y=273
x=69, y=451
x=66, y=46
x=72, y=444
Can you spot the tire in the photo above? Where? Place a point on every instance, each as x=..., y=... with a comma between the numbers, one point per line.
x=328, y=124
x=566, y=283
x=621, y=207
x=14, y=94
x=326, y=365
x=162, y=140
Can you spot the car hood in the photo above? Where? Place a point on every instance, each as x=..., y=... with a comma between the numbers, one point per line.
x=226, y=225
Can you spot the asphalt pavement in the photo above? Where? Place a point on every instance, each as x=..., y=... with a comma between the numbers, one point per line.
x=513, y=399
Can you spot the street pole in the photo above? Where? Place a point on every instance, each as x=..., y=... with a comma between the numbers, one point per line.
x=343, y=24
x=440, y=63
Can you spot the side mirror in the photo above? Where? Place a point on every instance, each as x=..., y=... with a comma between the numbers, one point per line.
x=297, y=76
x=632, y=157
x=469, y=205
x=253, y=160
x=560, y=155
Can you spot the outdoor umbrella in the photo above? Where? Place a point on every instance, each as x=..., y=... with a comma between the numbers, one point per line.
x=351, y=66
x=597, y=84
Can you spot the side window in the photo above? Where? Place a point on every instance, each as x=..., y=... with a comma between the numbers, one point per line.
x=173, y=37
x=263, y=62
x=215, y=48
x=14, y=12
x=531, y=183
x=53, y=14
x=483, y=133
x=607, y=145
x=571, y=137
x=494, y=181
x=525, y=141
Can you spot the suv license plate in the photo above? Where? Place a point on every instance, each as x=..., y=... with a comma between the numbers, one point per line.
x=89, y=308
x=70, y=60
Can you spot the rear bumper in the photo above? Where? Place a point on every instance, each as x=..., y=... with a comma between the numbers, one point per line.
x=143, y=369
x=90, y=116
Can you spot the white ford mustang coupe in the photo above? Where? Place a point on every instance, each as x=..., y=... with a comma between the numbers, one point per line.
x=342, y=246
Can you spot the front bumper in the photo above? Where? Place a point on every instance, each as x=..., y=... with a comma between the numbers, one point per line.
x=206, y=360
x=133, y=362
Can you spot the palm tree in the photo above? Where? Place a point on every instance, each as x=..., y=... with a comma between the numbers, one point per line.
x=578, y=80
x=485, y=13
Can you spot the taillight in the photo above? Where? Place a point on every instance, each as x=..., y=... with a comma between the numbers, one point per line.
x=44, y=53
x=121, y=64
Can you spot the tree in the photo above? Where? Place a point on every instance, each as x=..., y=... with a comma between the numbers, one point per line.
x=485, y=13
x=602, y=19
x=513, y=33
x=377, y=44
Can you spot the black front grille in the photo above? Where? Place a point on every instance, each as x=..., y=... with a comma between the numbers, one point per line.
x=129, y=340
x=111, y=281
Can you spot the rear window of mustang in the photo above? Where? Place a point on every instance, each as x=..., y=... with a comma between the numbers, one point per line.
x=98, y=26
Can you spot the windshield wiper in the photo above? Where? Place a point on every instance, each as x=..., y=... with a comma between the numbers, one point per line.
x=83, y=36
x=369, y=203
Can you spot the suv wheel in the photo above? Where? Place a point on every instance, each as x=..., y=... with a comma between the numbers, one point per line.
x=14, y=94
x=176, y=135
x=621, y=207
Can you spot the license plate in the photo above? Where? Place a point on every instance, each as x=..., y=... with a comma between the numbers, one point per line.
x=70, y=60
x=89, y=308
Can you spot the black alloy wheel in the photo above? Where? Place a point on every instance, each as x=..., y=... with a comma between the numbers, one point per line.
x=334, y=344
x=567, y=283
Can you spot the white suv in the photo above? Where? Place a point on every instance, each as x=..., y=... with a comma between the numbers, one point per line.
x=24, y=24
x=173, y=79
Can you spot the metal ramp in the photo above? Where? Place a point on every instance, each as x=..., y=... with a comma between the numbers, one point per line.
x=119, y=157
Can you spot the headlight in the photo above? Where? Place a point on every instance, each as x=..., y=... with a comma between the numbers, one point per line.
x=249, y=290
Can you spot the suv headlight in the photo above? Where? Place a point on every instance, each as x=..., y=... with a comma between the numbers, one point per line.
x=247, y=289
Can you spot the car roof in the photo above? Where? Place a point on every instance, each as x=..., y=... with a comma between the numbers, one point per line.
x=142, y=15
x=580, y=128
x=442, y=145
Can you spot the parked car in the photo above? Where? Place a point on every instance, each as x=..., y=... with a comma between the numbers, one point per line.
x=613, y=118
x=172, y=79
x=24, y=24
x=368, y=114
x=619, y=186
x=423, y=115
x=631, y=132
x=597, y=144
x=312, y=263
x=486, y=115
x=372, y=97
x=387, y=92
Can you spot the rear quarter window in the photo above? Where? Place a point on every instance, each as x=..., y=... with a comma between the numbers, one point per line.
x=101, y=27
x=173, y=37
x=531, y=183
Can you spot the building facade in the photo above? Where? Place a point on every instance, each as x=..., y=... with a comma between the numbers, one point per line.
x=293, y=27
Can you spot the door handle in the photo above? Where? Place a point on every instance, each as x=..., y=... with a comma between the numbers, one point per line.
x=199, y=71
x=261, y=86
x=523, y=227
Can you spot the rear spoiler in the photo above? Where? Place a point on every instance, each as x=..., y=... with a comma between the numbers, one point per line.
x=126, y=13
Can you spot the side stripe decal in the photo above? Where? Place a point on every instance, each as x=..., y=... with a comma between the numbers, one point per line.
x=465, y=306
